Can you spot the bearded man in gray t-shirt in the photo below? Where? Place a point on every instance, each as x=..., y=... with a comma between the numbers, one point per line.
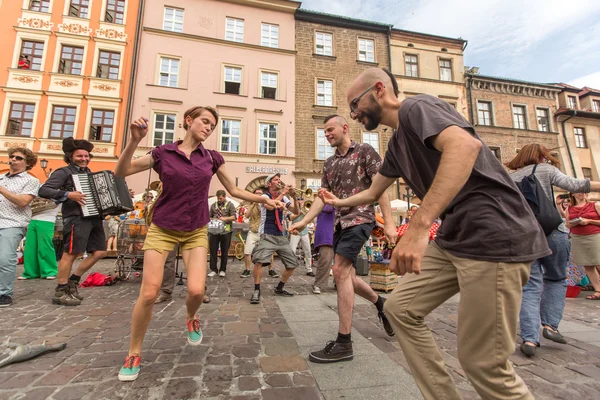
x=484, y=247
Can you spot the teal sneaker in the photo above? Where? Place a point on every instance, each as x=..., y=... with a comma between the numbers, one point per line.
x=131, y=369
x=194, y=331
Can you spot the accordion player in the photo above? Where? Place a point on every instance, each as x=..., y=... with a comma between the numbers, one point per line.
x=105, y=193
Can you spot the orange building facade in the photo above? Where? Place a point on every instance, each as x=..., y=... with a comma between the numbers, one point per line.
x=65, y=71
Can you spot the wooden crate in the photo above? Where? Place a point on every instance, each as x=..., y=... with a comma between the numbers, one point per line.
x=381, y=278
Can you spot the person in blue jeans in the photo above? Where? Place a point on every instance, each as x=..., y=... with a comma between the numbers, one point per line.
x=544, y=295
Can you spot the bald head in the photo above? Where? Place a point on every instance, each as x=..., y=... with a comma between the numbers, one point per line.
x=370, y=77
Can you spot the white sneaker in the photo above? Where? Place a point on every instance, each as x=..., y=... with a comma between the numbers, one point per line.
x=316, y=290
x=330, y=272
x=212, y=273
x=50, y=278
x=222, y=274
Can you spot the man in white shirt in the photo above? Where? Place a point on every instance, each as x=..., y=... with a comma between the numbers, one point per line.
x=17, y=190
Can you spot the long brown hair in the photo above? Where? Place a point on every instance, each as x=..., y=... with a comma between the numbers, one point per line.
x=195, y=112
x=531, y=154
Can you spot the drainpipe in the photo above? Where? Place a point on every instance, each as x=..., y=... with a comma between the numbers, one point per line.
x=564, y=132
x=138, y=35
x=390, y=47
x=469, y=86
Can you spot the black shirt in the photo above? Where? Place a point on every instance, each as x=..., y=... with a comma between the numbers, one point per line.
x=488, y=219
x=58, y=186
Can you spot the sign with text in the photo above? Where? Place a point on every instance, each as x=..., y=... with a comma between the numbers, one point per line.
x=261, y=169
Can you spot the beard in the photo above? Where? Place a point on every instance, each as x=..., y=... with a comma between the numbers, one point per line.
x=372, y=115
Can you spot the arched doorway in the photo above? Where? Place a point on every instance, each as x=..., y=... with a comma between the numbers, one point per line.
x=256, y=183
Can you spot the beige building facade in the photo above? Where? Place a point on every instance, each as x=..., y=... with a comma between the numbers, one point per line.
x=578, y=116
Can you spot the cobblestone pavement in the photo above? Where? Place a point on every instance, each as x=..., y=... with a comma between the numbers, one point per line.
x=248, y=351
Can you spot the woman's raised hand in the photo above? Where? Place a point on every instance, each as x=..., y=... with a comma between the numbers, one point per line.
x=139, y=128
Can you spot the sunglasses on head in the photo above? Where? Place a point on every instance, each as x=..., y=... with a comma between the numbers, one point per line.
x=18, y=158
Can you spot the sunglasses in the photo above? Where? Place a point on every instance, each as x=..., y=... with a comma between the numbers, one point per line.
x=18, y=158
x=354, y=103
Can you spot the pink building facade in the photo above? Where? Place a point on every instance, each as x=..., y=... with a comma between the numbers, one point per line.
x=236, y=56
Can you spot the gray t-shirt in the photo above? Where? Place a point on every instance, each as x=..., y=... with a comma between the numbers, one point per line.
x=488, y=220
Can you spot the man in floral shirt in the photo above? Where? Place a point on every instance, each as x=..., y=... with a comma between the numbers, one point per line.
x=346, y=173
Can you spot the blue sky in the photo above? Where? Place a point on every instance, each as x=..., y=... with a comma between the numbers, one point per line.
x=533, y=40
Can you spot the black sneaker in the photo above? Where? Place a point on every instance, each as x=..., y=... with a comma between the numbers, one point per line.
x=310, y=274
x=5, y=301
x=387, y=327
x=333, y=352
x=273, y=273
x=283, y=292
x=64, y=297
x=245, y=274
x=255, y=299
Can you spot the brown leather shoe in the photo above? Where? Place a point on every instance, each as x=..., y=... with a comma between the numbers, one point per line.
x=162, y=297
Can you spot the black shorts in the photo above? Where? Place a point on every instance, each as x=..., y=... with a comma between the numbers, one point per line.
x=83, y=235
x=348, y=242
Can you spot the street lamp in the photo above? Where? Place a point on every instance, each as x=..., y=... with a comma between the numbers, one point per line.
x=409, y=195
x=302, y=183
x=44, y=165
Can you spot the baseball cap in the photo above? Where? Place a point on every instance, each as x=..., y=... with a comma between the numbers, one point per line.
x=272, y=176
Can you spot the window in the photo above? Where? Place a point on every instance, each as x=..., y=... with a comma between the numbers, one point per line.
x=108, y=65
x=230, y=135
x=268, y=139
x=102, y=125
x=234, y=30
x=496, y=151
x=324, y=149
x=587, y=173
x=164, y=129
x=446, y=70
x=39, y=5
x=484, y=113
x=543, y=119
x=115, y=11
x=580, y=140
x=173, y=19
x=20, y=119
x=71, y=59
x=366, y=50
x=371, y=138
x=324, y=43
x=79, y=8
x=324, y=92
x=62, y=124
x=596, y=105
x=269, y=35
x=519, y=117
x=31, y=55
x=411, y=64
x=169, y=71
x=268, y=84
x=572, y=102
x=233, y=80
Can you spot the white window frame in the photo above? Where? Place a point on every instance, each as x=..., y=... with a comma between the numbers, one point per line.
x=232, y=79
x=415, y=65
x=445, y=70
x=230, y=135
x=168, y=72
x=271, y=37
x=19, y=98
x=164, y=130
x=269, y=84
x=596, y=106
x=482, y=121
x=267, y=139
x=364, y=54
x=173, y=24
x=235, y=34
x=580, y=139
x=574, y=105
x=323, y=144
x=516, y=123
x=369, y=139
x=537, y=119
x=322, y=45
x=321, y=92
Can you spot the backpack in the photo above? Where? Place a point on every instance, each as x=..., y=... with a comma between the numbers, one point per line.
x=543, y=208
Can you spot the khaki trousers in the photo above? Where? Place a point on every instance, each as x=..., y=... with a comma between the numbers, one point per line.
x=323, y=266
x=490, y=300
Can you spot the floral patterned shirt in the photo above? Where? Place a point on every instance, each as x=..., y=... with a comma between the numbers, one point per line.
x=346, y=175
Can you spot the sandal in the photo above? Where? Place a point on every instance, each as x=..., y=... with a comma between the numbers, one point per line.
x=595, y=296
x=587, y=288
